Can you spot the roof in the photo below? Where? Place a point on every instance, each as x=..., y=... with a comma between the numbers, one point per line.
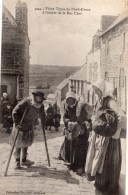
x=121, y=17
x=51, y=96
x=11, y=18
x=63, y=83
x=80, y=74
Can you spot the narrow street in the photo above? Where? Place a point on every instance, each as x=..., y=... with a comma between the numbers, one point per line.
x=41, y=179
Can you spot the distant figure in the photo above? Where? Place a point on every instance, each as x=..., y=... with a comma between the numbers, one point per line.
x=7, y=118
x=49, y=117
x=57, y=116
x=4, y=101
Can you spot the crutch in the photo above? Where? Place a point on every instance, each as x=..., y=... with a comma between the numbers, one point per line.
x=7, y=166
x=46, y=147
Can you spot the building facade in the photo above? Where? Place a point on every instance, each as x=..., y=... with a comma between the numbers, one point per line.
x=114, y=56
x=15, y=53
x=107, y=59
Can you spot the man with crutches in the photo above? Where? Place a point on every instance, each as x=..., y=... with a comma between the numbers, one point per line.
x=29, y=110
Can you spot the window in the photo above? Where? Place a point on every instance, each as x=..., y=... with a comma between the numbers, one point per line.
x=78, y=87
x=74, y=87
x=95, y=71
x=106, y=76
x=21, y=86
x=82, y=87
x=107, y=47
x=93, y=98
x=122, y=77
x=90, y=72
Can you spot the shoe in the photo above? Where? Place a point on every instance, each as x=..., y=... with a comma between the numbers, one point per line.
x=59, y=157
x=17, y=165
x=89, y=177
x=27, y=163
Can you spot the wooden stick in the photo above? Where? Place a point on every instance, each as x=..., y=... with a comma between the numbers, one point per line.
x=46, y=147
x=7, y=166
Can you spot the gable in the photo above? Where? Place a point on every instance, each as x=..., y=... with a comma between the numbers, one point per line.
x=7, y=17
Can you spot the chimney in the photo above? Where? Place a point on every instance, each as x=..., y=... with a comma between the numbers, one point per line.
x=106, y=21
x=22, y=15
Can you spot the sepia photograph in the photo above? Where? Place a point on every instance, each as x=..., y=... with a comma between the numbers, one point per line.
x=63, y=97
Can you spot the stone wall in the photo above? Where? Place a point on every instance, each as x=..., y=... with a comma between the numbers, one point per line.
x=114, y=58
x=114, y=50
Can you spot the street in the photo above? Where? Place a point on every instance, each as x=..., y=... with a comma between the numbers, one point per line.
x=41, y=179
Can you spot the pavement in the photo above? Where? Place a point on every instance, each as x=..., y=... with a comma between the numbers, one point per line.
x=40, y=178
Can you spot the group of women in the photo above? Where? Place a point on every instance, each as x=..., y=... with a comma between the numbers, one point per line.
x=88, y=151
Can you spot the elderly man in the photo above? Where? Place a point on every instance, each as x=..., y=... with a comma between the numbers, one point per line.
x=31, y=108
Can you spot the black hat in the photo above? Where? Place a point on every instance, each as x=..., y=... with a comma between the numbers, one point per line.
x=40, y=94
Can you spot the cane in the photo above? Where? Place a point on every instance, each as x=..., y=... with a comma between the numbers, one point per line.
x=6, y=170
x=46, y=147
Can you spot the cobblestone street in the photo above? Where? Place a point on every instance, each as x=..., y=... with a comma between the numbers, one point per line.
x=41, y=179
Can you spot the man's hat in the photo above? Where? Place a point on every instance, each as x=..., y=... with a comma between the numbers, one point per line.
x=40, y=94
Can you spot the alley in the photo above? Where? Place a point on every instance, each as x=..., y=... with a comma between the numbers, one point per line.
x=41, y=179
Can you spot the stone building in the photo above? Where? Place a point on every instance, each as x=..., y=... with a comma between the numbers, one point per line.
x=80, y=82
x=15, y=53
x=108, y=58
x=93, y=57
x=114, y=56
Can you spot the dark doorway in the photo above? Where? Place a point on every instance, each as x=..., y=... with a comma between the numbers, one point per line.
x=3, y=89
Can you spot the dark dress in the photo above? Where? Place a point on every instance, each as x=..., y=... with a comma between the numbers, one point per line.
x=57, y=116
x=4, y=102
x=75, y=150
x=7, y=122
x=49, y=118
x=109, y=177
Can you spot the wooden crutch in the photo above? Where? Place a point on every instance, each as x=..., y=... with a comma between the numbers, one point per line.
x=7, y=166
